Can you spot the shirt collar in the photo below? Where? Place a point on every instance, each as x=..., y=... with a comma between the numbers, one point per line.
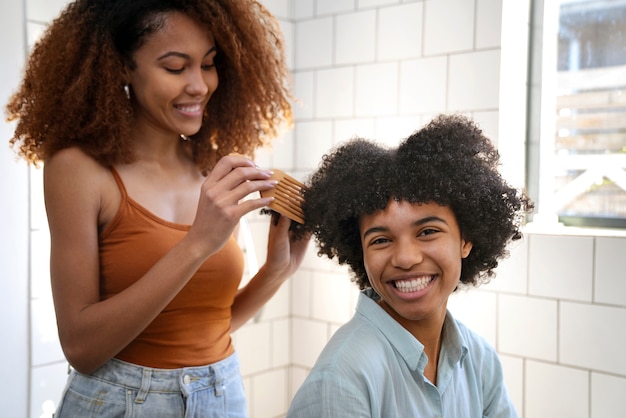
x=453, y=346
x=453, y=340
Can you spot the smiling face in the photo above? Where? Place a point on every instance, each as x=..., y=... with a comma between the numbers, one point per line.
x=174, y=77
x=412, y=255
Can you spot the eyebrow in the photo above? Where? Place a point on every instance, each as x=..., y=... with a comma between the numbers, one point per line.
x=182, y=55
x=419, y=222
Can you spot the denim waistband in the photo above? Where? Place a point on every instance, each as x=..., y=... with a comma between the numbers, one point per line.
x=187, y=379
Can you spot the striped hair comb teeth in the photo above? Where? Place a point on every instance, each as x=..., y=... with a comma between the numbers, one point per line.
x=287, y=196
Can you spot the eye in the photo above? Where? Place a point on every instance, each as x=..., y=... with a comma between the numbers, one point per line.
x=428, y=232
x=208, y=67
x=175, y=70
x=379, y=241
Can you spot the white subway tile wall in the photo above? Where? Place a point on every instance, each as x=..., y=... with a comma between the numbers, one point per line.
x=334, y=93
x=512, y=273
x=312, y=139
x=255, y=340
x=471, y=83
x=423, y=82
x=303, y=9
x=592, y=337
x=553, y=390
x=376, y=91
x=609, y=287
x=449, y=26
x=561, y=267
x=527, y=326
x=43, y=11
x=478, y=310
x=355, y=36
x=314, y=43
x=488, y=23
x=513, y=369
x=326, y=7
x=381, y=69
x=309, y=336
x=399, y=32
x=607, y=395
x=269, y=394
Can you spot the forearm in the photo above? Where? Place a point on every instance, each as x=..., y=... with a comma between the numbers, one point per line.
x=250, y=299
x=95, y=332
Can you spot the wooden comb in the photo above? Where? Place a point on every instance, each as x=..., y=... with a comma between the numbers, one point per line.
x=287, y=196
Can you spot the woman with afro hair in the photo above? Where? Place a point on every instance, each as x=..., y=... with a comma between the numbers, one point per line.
x=413, y=223
x=145, y=115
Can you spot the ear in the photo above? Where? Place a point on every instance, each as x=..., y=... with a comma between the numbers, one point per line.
x=466, y=248
x=126, y=73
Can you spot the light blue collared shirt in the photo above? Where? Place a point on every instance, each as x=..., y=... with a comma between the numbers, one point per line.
x=373, y=367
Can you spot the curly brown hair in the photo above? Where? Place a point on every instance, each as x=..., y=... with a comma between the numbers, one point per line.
x=449, y=162
x=72, y=92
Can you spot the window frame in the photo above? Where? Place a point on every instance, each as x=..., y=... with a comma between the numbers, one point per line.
x=541, y=123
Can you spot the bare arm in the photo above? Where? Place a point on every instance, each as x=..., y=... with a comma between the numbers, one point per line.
x=284, y=256
x=93, y=331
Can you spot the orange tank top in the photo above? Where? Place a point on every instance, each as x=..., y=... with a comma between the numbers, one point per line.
x=194, y=329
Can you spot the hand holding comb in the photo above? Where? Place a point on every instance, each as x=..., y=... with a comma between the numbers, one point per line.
x=287, y=196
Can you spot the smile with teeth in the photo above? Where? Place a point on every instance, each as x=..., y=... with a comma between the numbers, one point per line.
x=413, y=285
x=190, y=108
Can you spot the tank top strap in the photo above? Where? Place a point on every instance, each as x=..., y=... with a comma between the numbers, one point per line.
x=122, y=209
x=120, y=184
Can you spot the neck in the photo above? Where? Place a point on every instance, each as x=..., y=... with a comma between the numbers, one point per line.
x=432, y=348
x=428, y=331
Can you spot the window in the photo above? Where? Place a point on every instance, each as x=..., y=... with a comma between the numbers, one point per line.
x=577, y=130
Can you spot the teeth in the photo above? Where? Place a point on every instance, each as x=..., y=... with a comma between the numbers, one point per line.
x=414, y=285
x=193, y=108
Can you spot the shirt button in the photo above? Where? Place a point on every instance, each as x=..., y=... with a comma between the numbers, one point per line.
x=186, y=379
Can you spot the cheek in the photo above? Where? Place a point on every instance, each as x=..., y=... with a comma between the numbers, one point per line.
x=454, y=263
x=212, y=80
x=151, y=94
x=374, y=266
x=368, y=265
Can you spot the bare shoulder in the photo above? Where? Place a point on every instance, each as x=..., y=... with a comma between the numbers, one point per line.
x=75, y=184
x=72, y=161
x=71, y=172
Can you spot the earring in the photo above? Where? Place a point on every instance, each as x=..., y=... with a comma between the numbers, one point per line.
x=127, y=91
x=184, y=137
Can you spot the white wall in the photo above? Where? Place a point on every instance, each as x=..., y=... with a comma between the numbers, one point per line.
x=377, y=69
x=14, y=237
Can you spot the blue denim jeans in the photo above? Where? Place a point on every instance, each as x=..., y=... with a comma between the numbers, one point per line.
x=120, y=389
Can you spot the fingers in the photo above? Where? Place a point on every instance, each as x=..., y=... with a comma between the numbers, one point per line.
x=279, y=224
x=250, y=205
x=240, y=175
x=226, y=165
x=285, y=249
x=234, y=178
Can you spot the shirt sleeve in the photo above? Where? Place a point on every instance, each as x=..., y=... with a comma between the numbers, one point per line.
x=497, y=402
x=325, y=394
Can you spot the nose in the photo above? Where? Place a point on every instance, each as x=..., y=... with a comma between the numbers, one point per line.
x=199, y=83
x=406, y=254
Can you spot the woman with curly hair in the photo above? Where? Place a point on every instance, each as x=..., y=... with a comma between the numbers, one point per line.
x=412, y=223
x=145, y=115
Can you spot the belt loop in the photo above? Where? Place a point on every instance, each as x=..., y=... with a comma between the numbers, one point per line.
x=219, y=388
x=145, y=386
x=218, y=382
